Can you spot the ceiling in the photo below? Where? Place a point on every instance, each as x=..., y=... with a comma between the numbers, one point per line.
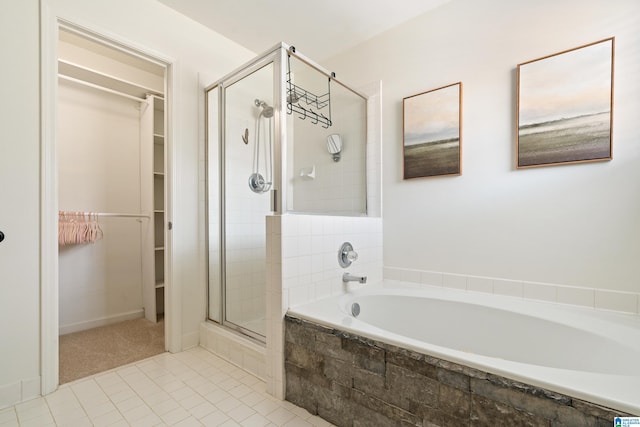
x=319, y=29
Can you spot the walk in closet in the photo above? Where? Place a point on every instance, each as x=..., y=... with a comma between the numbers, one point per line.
x=111, y=154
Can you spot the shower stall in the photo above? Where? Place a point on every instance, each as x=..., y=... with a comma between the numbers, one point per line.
x=284, y=136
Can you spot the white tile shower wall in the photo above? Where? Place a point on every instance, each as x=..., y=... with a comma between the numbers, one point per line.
x=310, y=244
x=275, y=308
x=302, y=266
x=599, y=299
x=321, y=184
x=245, y=225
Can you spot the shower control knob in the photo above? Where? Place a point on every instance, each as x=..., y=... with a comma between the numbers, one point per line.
x=346, y=255
x=1, y=236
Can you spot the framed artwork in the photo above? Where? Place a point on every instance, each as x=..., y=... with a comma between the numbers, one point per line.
x=565, y=107
x=432, y=132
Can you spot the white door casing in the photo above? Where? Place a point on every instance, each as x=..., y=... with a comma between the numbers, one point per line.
x=50, y=24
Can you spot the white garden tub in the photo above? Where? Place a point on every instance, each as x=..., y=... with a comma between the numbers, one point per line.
x=584, y=353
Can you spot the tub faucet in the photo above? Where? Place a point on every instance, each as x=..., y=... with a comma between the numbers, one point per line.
x=348, y=277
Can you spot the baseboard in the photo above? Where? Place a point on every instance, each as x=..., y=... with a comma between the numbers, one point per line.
x=81, y=326
x=190, y=340
x=19, y=391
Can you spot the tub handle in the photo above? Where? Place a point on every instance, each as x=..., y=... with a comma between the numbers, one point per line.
x=346, y=255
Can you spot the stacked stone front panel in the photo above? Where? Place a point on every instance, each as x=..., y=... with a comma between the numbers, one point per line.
x=350, y=381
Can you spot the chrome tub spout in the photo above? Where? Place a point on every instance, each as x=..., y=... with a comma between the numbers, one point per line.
x=348, y=277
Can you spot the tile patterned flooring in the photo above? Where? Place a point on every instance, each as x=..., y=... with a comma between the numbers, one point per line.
x=191, y=388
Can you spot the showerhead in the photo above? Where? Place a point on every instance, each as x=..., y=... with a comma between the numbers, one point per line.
x=267, y=110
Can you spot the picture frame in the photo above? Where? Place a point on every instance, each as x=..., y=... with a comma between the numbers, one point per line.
x=564, y=112
x=432, y=133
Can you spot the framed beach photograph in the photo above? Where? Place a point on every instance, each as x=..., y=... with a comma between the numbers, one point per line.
x=565, y=107
x=432, y=132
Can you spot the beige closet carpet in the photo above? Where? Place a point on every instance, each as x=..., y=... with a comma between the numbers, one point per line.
x=96, y=350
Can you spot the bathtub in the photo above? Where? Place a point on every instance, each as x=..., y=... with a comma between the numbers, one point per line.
x=580, y=352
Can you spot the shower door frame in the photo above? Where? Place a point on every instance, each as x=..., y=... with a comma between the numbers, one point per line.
x=276, y=56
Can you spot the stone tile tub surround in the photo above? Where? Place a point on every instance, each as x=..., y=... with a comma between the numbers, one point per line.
x=351, y=380
x=607, y=384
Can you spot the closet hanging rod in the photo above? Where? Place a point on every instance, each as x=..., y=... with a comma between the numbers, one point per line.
x=122, y=215
x=102, y=88
x=106, y=214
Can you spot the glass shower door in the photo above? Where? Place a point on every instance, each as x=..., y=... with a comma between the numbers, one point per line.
x=237, y=298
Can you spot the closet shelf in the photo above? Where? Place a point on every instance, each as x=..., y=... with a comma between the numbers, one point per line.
x=159, y=174
x=158, y=211
x=159, y=284
x=159, y=248
x=79, y=72
x=158, y=138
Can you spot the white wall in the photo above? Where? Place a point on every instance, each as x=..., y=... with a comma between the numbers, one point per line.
x=19, y=203
x=200, y=56
x=99, y=171
x=572, y=225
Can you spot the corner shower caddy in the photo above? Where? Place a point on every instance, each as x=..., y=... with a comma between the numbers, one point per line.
x=296, y=95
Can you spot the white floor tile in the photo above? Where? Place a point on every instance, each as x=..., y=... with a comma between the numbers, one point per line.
x=192, y=388
x=256, y=420
x=133, y=415
x=252, y=398
x=69, y=416
x=318, y=422
x=297, y=422
x=129, y=404
x=175, y=415
x=215, y=418
x=189, y=422
x=239, y=391
x=280, y=416
x=202, y=410
x=164, y=407
x=78, y=422
x=241, y=413
x=38, y=422
x=228, y=404
x=34, y=409
x=121, y=395
x=99, y=409
x=266, y=406
x=296, y=410
x=8, y=416
x=107, y=419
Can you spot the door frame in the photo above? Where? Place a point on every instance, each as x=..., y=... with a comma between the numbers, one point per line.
x=50, y=23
